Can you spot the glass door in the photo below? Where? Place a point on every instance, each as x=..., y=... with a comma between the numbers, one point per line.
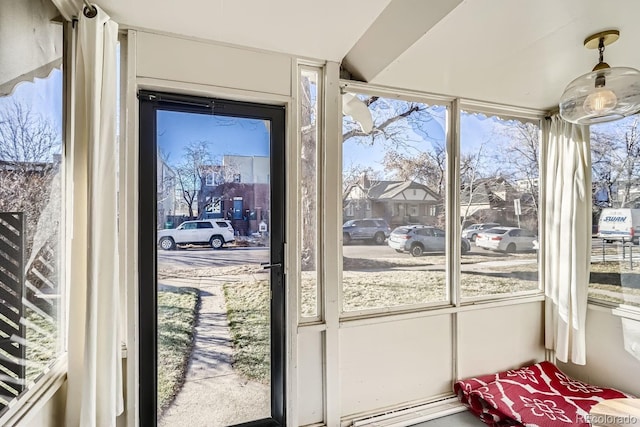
x=211, y=256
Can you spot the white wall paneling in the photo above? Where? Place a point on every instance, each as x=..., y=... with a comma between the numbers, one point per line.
x=183, y=60
x=310, y=377
x=392, y=363
x=499, y=338
x=608, y=363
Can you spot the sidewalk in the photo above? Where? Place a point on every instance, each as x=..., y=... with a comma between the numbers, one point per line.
x=213, y=395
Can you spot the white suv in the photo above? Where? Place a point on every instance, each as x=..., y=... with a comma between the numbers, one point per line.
x=208, y=231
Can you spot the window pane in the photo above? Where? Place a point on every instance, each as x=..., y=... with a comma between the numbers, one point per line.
x=309, y=191
x=615, y=261
x=31, y=195
x=498, y=205
x=398, y=169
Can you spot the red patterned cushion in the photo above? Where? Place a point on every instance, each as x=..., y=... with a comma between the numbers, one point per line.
x=538, y=395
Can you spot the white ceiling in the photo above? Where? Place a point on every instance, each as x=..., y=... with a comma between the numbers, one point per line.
x=517, y=52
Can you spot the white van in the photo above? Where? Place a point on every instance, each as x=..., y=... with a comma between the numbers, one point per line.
x=619, y=224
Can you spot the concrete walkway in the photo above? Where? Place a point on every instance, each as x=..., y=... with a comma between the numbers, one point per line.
x=213, y=395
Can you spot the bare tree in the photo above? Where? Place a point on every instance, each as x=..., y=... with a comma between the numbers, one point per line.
x=616, y=164
x=308, y=172
x=192, y=173
x=26, y=138
x=29, y=162
x=473, y=168
x=427, y=167
x=522, y=156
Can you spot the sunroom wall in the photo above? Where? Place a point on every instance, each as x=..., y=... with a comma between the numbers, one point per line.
x=339, y=370
x=608, y=363
x=382, y=362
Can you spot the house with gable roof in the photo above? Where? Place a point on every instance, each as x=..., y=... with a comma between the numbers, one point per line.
x=398, y=202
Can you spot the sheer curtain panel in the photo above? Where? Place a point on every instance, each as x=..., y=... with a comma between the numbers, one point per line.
x=568, y=237
x=95, y=364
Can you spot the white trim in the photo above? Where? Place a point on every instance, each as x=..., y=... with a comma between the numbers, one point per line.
x=394, y=317
x=291, y=251
x=319, y=188
x=129, y=213
x=481, y=301
x=626, y=312
x=407, y=413
x=312, y=327
x=399, y=309
x=453, y=255
x=332, y=239
x=197, y=89
x=499, y=297
x=396, y=93
x=68, y=8
x=502, y=110
x=32, y=400
x=422, y=311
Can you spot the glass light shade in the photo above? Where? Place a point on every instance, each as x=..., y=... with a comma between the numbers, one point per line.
x=585, y=102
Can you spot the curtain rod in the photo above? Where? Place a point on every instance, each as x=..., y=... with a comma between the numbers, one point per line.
x=90, y=11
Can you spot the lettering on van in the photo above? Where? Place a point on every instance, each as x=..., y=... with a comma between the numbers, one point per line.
x=614, y=219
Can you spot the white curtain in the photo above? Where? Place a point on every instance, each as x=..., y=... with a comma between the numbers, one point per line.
x=95, y=365
x=567, y=231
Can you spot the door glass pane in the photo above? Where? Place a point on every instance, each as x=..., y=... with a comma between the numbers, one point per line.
x=213, y=222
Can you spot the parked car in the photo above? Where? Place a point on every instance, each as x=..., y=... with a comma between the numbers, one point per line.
x=215, y=233
x=375, y=230
x=472, y=231
x=417, y=239
x=506, y=239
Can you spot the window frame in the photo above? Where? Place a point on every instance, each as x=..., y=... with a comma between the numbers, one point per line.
x=621, y=309
x=321, y=72
x=455, y=106
x=53, y=377
x=430, y=100
x=523, y=115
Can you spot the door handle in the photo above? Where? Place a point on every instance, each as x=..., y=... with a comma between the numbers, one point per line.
x=266, y=265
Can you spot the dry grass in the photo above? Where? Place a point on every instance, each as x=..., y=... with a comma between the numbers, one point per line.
x=615, y=281
x=378, y=283
x=248, y=315
x=383, y=283
x=177, y=308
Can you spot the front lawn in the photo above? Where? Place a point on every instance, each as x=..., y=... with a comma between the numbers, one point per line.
x=177, y=312
x=248, y=316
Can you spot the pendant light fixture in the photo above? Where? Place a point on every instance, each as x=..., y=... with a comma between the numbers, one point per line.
x=604, y=94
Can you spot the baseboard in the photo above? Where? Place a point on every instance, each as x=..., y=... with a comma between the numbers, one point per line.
x=413, y=415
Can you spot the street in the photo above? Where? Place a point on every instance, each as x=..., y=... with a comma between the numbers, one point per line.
x=235, y=256
x=208, y=257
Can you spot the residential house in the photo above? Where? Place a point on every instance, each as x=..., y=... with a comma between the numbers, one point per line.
x=497, y=200
x=238, y=190
x=398, y=202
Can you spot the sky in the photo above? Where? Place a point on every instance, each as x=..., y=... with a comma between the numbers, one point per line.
x=474, y=130
x=43, y=95
x=241, y=136
x=225, y=135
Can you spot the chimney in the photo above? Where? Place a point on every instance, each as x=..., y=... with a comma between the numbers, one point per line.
x=364, y=181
